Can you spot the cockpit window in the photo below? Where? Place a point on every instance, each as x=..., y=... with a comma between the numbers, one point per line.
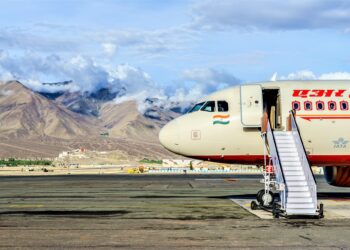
x=209, y=106
x=196, y=107
x=222, y=106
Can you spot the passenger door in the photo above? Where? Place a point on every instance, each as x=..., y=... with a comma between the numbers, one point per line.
x=251, y=105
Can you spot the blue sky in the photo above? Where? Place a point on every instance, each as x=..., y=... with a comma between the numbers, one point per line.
x=173, y=44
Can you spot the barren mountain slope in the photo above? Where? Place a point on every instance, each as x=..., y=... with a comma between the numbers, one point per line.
x=124, y=120
x=33, y=125
x=24, y=113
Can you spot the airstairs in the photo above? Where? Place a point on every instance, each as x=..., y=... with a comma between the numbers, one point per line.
x=291, y=175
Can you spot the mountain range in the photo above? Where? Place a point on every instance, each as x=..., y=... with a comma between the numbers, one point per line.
x=42, y=124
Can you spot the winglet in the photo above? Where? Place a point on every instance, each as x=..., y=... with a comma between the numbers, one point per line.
x=274, y=77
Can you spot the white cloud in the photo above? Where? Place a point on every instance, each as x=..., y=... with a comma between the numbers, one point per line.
x=272, y=14
x=110, y=49
x=33, y=70
x=300, y=75
x=309, y=75
x=152, y=42
x=335, y=76
x=6, y=92
x=43, y=40
x=132, y=83
x=210, y=79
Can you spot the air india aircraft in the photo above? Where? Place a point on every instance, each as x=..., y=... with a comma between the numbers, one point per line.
x=227, y=125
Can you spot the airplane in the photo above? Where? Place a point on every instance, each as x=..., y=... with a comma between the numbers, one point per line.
x=292, y=125
x=226, y=126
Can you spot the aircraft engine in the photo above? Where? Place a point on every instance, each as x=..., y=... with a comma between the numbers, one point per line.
x=337, y=176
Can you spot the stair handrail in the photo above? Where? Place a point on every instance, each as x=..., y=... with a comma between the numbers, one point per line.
x=274, y=155
x=295, y=128
x=310, y=178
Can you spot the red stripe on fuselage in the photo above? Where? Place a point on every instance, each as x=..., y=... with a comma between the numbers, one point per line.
x=315, y=160
x=326, y=117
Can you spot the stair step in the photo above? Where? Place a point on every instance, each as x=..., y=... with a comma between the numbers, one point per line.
x=287, y=158
x=294, y=173
x=293, y=168
x=299, y=194
x=301, y=211
x=288, y=150
x=285, y=140
x=295, y=178
x=290, y=164
x=287, y=145
x=300, y=205
x=282, y=133
x=296, y=184
x=283, y=136
x=298, y=189
x=299, y=200
x=288, y=154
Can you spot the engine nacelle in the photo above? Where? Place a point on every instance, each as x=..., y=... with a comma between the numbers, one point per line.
x=337, y=176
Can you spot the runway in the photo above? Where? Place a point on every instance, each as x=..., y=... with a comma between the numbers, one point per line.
x=155, y=212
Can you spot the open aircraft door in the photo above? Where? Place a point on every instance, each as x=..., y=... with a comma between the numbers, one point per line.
x=251, y=105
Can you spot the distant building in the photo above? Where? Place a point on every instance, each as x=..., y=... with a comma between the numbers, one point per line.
x=168, y=163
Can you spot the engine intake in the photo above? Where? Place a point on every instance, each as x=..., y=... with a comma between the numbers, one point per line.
x=337, y=176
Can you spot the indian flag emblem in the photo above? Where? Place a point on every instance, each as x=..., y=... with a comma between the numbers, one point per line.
x=221, y=119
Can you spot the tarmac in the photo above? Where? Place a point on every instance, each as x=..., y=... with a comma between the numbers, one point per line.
x=158, y=212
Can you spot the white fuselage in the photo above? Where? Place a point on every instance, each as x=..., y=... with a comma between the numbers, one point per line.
x=233, y=134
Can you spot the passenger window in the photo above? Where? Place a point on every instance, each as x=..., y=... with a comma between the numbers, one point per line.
x=332, y=105
x=344, y=105
x=296, y=105
x=196, y=107
x=320, y=105
x=308, y=105
x=209, y=106
x=222, y=106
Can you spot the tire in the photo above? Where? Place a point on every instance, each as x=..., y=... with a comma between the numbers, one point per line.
x=275, y=212
x=253, y=205
x=259, y=196
x=321, y=215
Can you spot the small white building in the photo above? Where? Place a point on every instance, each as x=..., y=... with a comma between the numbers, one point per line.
x=168, y=163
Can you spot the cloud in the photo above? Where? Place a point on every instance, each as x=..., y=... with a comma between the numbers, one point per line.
x=210, y=79
x=151, y=43
x=309, y=75
x=43, y=39
x=300, y=75
x=56, y=38
x=6, y=92
x=335, y=76
x=271, y=14
x=110, y=49
x=34, y=69
x=132, y=83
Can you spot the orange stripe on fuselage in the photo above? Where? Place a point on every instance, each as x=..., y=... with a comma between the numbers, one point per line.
x=221, y=116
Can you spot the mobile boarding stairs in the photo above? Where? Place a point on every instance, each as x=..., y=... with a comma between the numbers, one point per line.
x=289, y=174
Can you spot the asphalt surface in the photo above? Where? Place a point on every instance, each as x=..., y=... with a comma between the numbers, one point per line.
x=153, y=212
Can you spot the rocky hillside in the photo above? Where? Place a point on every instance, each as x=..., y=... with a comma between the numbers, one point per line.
x=42, y=124
x=26, y=114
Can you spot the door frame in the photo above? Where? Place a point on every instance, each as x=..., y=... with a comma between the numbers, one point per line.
x=241, y=110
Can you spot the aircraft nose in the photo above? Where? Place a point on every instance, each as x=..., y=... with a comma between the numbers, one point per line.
x=169, y=136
